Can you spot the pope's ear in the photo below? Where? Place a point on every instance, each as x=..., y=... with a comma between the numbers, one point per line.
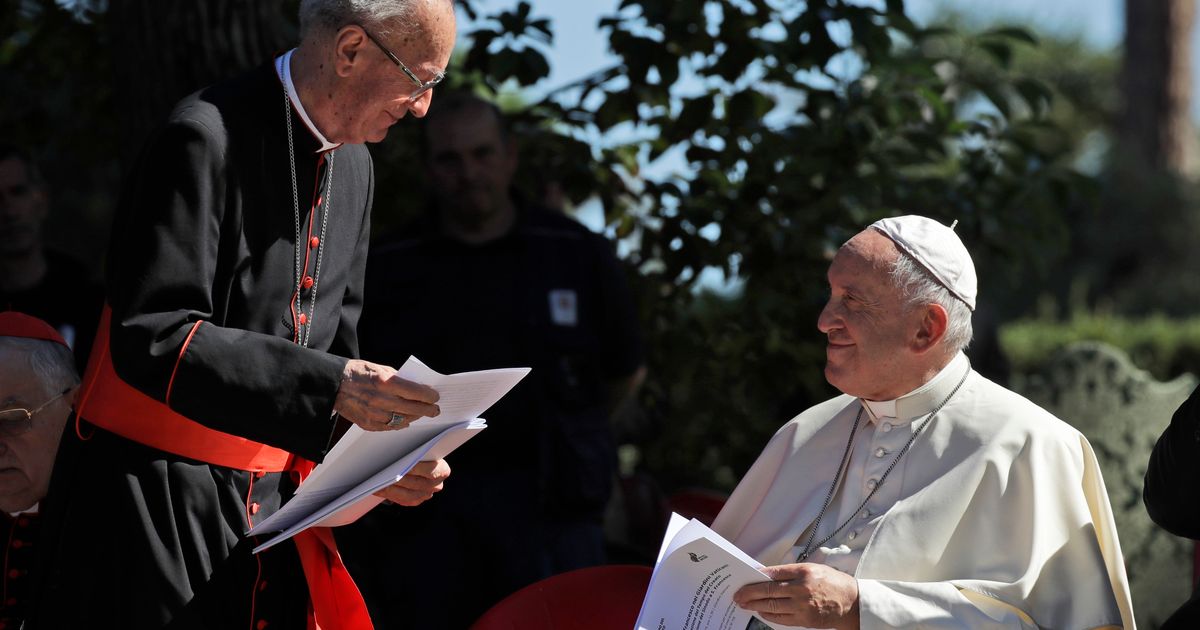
x=932, y=328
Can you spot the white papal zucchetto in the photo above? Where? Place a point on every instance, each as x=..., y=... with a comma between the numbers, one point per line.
x=938, y=249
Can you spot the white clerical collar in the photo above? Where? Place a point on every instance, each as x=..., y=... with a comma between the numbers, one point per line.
x=283, y=67
x=921, y=400
x=29, y=510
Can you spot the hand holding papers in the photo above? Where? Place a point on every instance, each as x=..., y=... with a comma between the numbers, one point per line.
x=694, y=580
x=342, y=488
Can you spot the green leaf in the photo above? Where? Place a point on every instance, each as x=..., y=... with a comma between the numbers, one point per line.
x=692, y=116
x=1035, y=94
x=1013, y=33
x=533, y=67
x=934, y=100
x=614, y=110
x=543, y=26
x=1000, y=51
x=697, y=153
x=505, y=64
x=747, y=108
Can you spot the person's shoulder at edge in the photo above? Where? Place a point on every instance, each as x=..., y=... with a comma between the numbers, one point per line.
x=216, y=105
x=209, y=113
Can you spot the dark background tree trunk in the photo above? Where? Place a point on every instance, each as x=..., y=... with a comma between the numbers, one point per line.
x=164, y=51
x=1156, y=84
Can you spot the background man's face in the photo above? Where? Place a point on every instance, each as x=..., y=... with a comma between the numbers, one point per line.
x=865, y=320
x=22, y=209
x=470, y=165
x=27, y=459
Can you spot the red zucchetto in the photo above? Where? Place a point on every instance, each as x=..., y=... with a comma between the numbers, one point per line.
x=14, y=324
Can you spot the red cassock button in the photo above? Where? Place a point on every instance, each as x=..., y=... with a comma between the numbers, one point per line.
x=17, y=544
x=254, y=508
x=259, y=474
x=307, y=282
x=262, y=586
x=14, y=573
x=313, y=242
x=262, y=623
x=303, y=319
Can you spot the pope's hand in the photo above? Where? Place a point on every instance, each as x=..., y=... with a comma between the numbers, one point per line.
x=806, y=594
x=374, y=398
x=417, y=485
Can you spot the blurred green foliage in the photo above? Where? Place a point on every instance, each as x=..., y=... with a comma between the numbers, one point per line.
x=1161, y=345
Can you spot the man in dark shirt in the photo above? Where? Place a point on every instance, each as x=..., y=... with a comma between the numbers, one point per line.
x=504, y=283
x=42, y=282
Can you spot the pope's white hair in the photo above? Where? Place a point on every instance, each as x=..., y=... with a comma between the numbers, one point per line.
x=52, y=363
x=386, y=15
x=919, y=288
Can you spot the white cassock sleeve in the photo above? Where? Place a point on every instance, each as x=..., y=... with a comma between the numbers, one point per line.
x=892, y=604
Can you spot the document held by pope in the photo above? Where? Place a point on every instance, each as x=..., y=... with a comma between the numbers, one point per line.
x=694, y=580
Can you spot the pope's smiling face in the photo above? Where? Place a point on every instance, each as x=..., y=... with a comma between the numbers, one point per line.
x=26, y=459
x=869, y=329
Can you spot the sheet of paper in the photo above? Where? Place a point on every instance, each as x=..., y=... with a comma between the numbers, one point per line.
x=694, y=580
x=438, y=449
x=362, y=462
x=463, y=397
x=676, y=523
x=326, y=510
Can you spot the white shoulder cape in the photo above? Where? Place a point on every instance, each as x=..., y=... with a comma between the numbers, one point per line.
x=999, y=499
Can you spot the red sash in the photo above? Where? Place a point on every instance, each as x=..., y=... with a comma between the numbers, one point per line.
x=111, y=403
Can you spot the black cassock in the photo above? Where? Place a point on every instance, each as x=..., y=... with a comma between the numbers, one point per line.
x=201, y=275
x=1172, y=491
x=17, y=535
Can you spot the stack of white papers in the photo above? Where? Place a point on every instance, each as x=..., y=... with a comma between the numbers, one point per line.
x=341, y=489
x=694, y=580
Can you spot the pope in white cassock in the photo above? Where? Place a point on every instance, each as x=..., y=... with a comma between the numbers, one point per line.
x=925, y=496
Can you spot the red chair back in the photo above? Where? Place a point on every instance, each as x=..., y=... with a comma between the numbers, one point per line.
x=698, y=503
x=1195, y=564
x=596, y=598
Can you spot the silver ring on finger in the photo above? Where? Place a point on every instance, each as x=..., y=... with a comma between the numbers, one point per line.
x=397, y=420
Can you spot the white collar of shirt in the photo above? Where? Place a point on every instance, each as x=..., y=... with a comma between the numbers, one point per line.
x=921, y=400
x=29, y=510
x=283, y=67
